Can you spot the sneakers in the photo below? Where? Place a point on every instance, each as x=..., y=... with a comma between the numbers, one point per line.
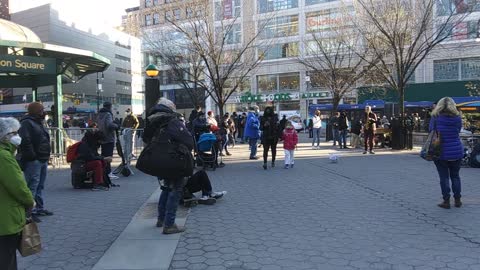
x=228, y=153
x=44, y=212
x=113, y=176
x=99, y=188
x=286, y=166
x=207, y=200
x=253, y=158
x=314, y=147
x=364, y=152
x=159, y=223
x=173, y=229
x=371, y=152
x=218, y=195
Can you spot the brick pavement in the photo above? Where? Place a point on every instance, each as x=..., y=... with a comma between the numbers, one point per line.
x=366, y=212
x=85, y=223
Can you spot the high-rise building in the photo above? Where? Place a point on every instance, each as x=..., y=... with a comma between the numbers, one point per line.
x=4, y=10
x=121, y=84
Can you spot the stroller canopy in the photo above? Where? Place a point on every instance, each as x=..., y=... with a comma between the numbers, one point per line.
x=206, y=142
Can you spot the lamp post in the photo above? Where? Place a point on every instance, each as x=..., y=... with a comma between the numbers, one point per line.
x=152, y=86
x=307, y=82
x=99, y=89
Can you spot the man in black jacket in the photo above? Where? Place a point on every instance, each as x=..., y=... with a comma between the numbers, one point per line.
x=163, y=116
x=34, y=153
x=107, y=126
x=343, y=129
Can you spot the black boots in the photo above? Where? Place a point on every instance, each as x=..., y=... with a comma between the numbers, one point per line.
x=445, y=204
x=458, y=202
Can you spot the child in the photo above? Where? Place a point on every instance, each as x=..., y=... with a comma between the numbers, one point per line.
x=290, y=140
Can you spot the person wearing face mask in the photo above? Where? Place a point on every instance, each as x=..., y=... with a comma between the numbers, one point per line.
x=33, y=153
x=252, y=131
x=15, y=197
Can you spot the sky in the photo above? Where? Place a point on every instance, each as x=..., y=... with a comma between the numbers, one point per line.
x=107, y=11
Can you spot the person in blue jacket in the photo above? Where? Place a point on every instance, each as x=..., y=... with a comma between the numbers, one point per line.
x=446, y=119
x=252, y=131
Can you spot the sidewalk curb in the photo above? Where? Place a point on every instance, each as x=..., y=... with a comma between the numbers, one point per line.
x=142, y=245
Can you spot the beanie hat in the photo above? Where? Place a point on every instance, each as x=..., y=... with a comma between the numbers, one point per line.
x=168, y=103
x=8, y=125
x=35, y=108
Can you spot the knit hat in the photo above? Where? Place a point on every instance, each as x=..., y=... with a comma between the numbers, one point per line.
x=8, y=125
x=35, y=108
x=168, y=103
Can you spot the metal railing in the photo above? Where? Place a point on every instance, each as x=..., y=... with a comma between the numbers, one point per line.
x=62, y=138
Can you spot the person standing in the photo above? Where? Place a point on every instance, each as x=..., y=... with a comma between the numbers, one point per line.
x=317, y=126
x=446, y=119
x=290, y=141
x=270, y=134
x=355, y=132
x=163, y=117
x=34, y=153
x=131, y=121
x=334, y=123
x=343, y=129
x=108, y=127
x=193, y=116
x=283, y=122
x=369, y=127
x=234, y=125
x=242, y=120
x=310, y=128
x=252, y=131
x=211, y=119
x=15, y=197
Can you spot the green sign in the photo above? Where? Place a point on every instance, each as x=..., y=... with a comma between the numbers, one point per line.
x=324, y=94
x=27, y=64
x=268, y=97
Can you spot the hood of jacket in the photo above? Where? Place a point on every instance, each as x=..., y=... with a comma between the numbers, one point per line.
x=160, y=115
x=8, y=146
x=32, y=118
x=103, y=113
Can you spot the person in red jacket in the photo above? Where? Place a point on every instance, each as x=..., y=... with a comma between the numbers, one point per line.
x=290, y=140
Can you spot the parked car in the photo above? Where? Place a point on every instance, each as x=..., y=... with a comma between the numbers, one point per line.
x=296, y=122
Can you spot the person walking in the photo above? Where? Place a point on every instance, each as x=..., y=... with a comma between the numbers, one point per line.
x=369, y=127
x=290, y=141
x=446, y=119
x=16, y=200
x=343, y=129
x=317, y=126
x=270, y=128
x=162, y=117
x=252, y=131
x=334, y=123
x=108, y=127
x=34, y=153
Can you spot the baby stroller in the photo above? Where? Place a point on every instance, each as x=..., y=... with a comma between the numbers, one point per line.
x=206, y=151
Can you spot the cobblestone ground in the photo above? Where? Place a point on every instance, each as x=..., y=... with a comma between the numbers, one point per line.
x=365, y=212
x=86, y=222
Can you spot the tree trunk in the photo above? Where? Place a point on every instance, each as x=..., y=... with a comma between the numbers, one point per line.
x=401, y=92
x=221, y=108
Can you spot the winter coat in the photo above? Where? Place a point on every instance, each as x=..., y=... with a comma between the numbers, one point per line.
x=342, y=122
x=356, y=127
x=106, y=125
x=87, y=152
x=449, y=128
x=14, y=193
x=252, y=127
x=160, y=117
x=290, y=139
x=334, y=122
x=35, y=140
x=271, y=130
x=317, y=122
x=130, y=121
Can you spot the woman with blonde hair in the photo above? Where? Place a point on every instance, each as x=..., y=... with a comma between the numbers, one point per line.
x=317, y=125
x=446, y=119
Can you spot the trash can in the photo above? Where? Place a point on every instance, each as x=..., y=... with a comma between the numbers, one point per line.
x=398, y=136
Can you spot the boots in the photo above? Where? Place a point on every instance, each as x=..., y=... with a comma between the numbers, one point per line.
x=265, y=166
x=159, y=223
x=458, y=202
x=445, y=204
x=173, y=229
x=273, y=164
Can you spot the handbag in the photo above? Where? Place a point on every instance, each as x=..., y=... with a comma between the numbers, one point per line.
x=432, y=148
x=30, y=243
x=165, y=158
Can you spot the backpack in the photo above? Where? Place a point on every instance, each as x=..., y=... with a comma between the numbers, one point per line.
x=72, y=152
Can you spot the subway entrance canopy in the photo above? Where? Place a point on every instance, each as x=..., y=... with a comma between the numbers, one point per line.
x=26, y=62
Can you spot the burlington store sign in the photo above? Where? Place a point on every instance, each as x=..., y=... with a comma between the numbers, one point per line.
x=275, y=97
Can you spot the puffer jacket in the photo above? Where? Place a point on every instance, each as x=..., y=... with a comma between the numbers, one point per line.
x=252, y=127
x=14, y=193
x=449, y=128
x=290, y=139
x=35, y=140
x=106, y=125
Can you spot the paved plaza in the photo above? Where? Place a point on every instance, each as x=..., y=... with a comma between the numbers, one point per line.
x=364, y=212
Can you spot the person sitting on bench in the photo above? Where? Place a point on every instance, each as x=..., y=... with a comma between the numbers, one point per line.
x=199, y=181
x=88, y=152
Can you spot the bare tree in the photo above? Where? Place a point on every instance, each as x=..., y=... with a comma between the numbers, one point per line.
x=400, y=34
x=335, y=59
x=223, y=55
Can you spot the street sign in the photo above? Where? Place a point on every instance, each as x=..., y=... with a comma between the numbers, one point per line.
x=27, y=64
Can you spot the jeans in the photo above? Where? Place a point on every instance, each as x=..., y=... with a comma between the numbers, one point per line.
x=167, y=204
x=253, y=147
x=449, y=170
x=107, y=151
x=289, y=157
x=342, y=140
x=267, y=144
x=369, y=135
x=316, y=136
x=8, y=251
x=35, y=173
x=336, y=136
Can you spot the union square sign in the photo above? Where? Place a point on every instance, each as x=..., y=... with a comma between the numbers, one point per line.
x=278, y=97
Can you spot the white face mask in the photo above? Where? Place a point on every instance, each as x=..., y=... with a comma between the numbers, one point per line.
x=16, y=140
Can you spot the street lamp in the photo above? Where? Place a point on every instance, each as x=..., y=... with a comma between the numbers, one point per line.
x=152, y=86
x=99, y=89
x=307, y=82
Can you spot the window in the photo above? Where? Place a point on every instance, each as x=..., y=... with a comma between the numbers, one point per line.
x=462, y=30
x=277, y=51
x=456, y=69
x=243, y=86
x=126, y=85
x=316, y=47
x=123, y=70
x=314, y=2
x=168, y=15
x=156, y=18
x=227, y=9
x=177, y=13
x=279, y=27
x=279, y=82
x=121, y=57
x=148, y=3
x=155, y=2
x=189, y=12
x=448, y=7
x=264, y=6
x=148, y=19
x=233, y=36
x=123, y=99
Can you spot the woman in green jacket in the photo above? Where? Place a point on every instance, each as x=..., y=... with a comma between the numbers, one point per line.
x=15, y=197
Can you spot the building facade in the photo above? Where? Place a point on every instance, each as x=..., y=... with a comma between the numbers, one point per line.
x=121, y=84
x=281, y=80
